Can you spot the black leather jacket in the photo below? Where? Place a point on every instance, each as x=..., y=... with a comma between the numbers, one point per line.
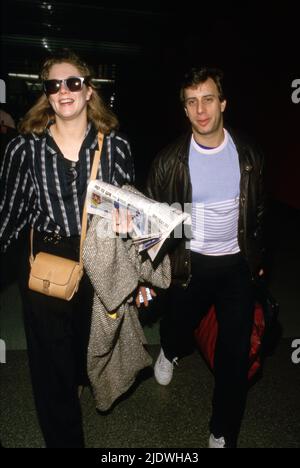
x=169, y=181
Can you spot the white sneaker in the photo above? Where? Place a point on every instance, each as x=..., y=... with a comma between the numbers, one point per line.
x=216, y=443
x=163, y=369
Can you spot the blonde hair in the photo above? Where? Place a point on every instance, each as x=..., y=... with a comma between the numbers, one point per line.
x=38, y=117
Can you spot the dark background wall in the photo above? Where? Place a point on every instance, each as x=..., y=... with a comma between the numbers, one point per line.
x=149, y=47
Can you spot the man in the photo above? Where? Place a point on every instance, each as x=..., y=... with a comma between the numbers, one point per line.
x=219, y=174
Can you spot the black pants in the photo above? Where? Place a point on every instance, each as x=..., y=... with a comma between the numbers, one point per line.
x=57, y=335
x=225, y=282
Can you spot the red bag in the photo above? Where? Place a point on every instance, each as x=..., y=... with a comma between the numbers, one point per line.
x=206, y=337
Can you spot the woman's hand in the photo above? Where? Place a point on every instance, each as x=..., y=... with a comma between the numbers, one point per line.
x=122, y=221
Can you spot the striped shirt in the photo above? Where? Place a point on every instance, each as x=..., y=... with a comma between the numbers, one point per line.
x=39, y=187
x=215, y=176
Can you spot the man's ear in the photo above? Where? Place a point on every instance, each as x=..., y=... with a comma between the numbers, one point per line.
x=223, y=105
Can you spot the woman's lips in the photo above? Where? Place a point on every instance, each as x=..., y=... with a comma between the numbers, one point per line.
x=66, y=101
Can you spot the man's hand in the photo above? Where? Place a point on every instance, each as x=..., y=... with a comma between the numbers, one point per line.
x=143, y=291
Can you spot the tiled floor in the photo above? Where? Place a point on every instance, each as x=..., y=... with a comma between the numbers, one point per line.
x=164, y=417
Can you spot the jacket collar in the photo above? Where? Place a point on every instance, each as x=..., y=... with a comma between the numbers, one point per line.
x=184, y=147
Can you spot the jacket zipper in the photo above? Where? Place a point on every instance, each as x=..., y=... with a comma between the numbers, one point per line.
x=244, y=201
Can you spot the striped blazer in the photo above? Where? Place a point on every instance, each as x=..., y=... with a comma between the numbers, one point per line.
x=41, y=188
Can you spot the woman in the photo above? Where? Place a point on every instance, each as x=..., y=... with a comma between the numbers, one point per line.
x=43, y=182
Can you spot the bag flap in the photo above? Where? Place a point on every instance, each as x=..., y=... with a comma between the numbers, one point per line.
x=57, y=270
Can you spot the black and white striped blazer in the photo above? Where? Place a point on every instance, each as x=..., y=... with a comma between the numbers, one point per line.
x=39, y=187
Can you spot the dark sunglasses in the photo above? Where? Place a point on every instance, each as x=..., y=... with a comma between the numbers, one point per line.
x=73, y=83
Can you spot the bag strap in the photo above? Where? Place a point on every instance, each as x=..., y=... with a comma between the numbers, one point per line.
x=94, y=171
x=93, y=176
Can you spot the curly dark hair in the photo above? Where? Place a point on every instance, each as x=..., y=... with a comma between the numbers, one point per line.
x=195, y=76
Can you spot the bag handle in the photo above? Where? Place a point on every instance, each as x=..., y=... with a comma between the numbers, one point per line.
x=93, y=176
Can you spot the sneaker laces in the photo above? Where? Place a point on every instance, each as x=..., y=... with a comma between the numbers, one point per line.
x=218, y=441
x=165, y=364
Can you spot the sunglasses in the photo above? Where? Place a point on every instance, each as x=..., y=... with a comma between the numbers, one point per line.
x=73, y=83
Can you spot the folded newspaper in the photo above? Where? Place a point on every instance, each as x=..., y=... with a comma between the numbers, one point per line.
x=152, y=222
